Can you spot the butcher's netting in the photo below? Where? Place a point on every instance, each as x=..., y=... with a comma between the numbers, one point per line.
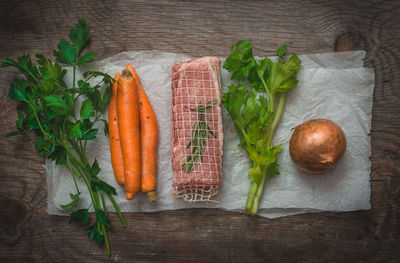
x=197, y=129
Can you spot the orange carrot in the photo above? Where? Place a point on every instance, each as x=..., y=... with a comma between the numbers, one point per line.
x=148, y=141
x=128, y=125
x=115, y=145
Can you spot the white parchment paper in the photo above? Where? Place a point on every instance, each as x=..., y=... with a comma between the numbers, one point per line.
x=331, y=85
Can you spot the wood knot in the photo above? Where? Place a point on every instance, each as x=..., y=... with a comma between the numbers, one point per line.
x=14, y=215
x=354, y=40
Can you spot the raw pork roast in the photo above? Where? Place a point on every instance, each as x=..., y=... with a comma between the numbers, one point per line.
x=196, y=84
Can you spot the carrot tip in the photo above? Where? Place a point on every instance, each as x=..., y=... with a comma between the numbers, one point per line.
x=126, y=74
x=130, y=196
x=152, y=196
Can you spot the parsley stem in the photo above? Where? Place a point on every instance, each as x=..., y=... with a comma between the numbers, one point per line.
x=92, y=195
x=79, y=151
x=30, y=73
x=95, y=198
x=121, y=217
x=103, y=202
x=78, y=165
x=96, y=201
x=73, y=77
x=80, y=144
x=73, y=174
x=37, y=119
x=72, y=156
x=27, y=133
x=96, y=207
x=103, y=228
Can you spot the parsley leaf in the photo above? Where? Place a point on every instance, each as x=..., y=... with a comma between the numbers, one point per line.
x=95, y=234
x=20, y=121
x=73, y=203
x=66, y=52
x=9, y=134
x=84, y=87
x=24, y=64
x=59, y=155
x=98, y=185
x=87, y=110
x=106, y=132
x=51, y=71
x=16, y=93
x=95, y=169
x=42, y=146
x=93, y=74
x=101, y=218
x=88, y=57
x=79, y=35
x=57, y=104
x=75, y=131
x=90, y=134
x=86, y=130
x=80, y=216
x=104, y=101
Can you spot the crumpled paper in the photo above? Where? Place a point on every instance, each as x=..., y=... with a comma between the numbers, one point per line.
x=335, y=86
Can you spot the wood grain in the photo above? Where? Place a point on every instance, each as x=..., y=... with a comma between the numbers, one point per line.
x=28, y=234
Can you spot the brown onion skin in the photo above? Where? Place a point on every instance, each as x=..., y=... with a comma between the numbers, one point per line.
x=316, y=146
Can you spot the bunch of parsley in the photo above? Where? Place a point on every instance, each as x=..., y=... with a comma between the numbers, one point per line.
x=255, y=105
x=46, y=112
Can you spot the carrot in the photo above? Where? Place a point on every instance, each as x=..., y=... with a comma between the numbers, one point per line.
x=115, y=145
x=148, y=141
x=128, y=125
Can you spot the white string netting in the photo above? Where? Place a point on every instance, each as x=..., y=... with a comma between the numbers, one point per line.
x=195, y=84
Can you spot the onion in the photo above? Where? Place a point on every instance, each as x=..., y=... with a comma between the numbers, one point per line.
x=317, y=145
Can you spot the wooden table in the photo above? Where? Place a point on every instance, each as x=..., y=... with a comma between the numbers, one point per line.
x=28, y=233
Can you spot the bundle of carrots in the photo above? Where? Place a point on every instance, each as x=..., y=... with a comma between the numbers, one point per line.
x=133, y=136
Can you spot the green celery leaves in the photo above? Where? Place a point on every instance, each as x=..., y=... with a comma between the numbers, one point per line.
x=252, y=107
